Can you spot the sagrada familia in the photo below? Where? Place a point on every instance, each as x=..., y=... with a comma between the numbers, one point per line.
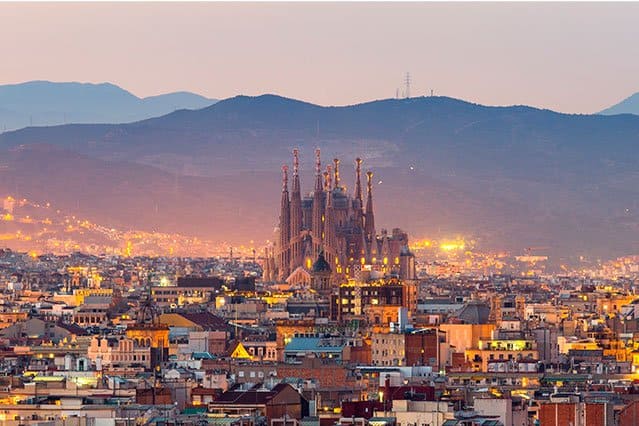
x=332, y=233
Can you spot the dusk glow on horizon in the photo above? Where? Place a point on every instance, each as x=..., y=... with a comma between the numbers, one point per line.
x=567, y=57
x=319, y=214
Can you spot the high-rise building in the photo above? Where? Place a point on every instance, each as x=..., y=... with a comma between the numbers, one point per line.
x=339, y=226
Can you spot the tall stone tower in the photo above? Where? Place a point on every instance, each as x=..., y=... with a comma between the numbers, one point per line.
x=369, y=220
x=297, y=254
x=317, y=227
x=285, y=228
x=321, y=275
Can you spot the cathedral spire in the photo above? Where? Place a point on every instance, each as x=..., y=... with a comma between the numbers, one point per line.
x=328, y=243
x=296, y=161
x=285, y=178
x=317, y=218
x=358, y=180
x=296, y=213
x=336, y=171
x=369, y=219
x=285, y=227
x=318, y=170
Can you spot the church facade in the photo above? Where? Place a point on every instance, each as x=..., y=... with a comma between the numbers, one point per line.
x=332, y=225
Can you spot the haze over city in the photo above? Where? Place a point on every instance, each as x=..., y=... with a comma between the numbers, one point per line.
x=319, y=214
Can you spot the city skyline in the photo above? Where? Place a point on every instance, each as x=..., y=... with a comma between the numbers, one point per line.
x=319, y=214
x=542, y=55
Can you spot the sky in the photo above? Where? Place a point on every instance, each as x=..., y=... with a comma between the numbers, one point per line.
x=569, y=57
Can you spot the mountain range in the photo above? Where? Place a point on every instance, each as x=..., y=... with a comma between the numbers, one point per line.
x=630, y=105
x=507, y=177
x=45, y=103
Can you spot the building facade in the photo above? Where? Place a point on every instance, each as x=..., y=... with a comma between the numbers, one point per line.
x=331, y=222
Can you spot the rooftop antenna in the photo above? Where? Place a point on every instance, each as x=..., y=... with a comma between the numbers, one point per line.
x=407, y=82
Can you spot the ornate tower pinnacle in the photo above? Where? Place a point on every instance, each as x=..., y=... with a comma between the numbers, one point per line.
x=318, y=170
x=358, y=180
x=296, y=161
x=284, y=178
x=369, y=219
x=296, y=215
x=285, y=228
x=336, y=168
x=329, y=215
x=317, y=215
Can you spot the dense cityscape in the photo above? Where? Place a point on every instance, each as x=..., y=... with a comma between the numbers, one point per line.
x=232, y=213
x=336, y=322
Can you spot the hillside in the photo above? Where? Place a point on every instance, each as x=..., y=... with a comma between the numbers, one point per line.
x=512, y=177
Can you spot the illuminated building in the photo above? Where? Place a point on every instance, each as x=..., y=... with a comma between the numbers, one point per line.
x=261, y=350
x=9, y=318
x=570, y=409
x=376, y=301
x=282, y=401
x=91, y=315
x=500, y=351
x=117, y=351
x=81, y=293
x=188, y=290
x=413, y=348
x=285, y=330
x=321, y=275
x=148, y=332
x=340, y=226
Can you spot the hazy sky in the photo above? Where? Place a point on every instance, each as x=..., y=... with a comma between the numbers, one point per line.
x=573, y=57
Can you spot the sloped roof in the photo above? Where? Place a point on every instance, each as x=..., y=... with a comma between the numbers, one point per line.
x=474, y=313
x=321, y=265
x=249, y=397
x=240, y=352
x=73, y=329
x=207, y=320
x=201, y=320
x=310, y=344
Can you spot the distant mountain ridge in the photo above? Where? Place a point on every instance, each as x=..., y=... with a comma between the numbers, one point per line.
x=44, y=103
x=630, y=105
x=511, y=177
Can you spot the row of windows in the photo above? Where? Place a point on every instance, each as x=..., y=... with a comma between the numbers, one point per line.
x=89, y=319
x=166, y=300
x=253, y=374
x=270, y=353
x=128, y=358
x=386, y=352
x=390, y=341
